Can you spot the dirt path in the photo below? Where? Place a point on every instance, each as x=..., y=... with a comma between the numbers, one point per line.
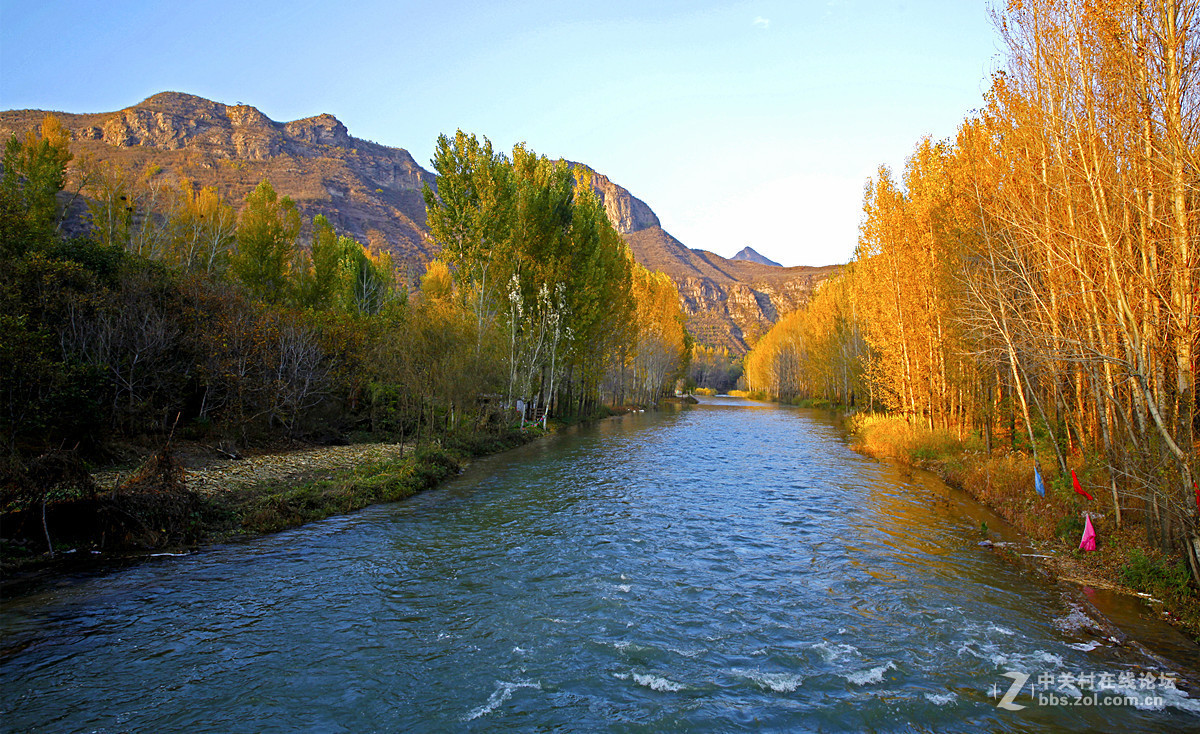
x=207, y=473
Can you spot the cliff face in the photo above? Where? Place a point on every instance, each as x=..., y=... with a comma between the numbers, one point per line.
x=367, y=190
x=373, y=193
x=626, y=212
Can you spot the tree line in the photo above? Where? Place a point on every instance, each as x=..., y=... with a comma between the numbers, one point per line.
x=178, y=313
x=1035, y=279
x=548, y=285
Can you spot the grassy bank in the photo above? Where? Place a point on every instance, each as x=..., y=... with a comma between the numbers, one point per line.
x=156, y=507
x=270, y=507
x=1004, y=481
x=273, y=506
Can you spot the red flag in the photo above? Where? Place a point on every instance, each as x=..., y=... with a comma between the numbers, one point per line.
x=1079, y=489
x=1197, y=495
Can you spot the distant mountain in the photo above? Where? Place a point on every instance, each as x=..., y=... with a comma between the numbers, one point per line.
x=749, y=254
x=373, y=193
x=729, y=303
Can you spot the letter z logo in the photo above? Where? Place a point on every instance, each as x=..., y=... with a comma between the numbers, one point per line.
x=1006, y=703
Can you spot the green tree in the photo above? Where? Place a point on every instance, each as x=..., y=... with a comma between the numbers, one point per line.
x=266, y=243
x=34, y=170
x=324, y=276
x=469, y=218
x=371, y=277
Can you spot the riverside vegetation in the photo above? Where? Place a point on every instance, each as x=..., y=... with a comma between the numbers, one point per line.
x=1025, y=298
x=179, y=319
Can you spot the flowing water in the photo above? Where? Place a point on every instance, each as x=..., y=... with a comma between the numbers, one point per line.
x=730, y=566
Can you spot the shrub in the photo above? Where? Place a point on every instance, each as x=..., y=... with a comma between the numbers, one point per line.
x=1068, y=527
x=1155, y=573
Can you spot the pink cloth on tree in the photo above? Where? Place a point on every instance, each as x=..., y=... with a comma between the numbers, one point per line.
x=1089, y=535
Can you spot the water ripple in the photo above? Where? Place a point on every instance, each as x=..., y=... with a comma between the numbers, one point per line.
x=732, y=566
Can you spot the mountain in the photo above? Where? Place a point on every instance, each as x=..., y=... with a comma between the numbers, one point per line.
x=373, y=193
x=626, y=212
x=729, y=302
x=367, y=190
x=749, y=254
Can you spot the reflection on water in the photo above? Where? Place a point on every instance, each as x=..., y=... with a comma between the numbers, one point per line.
x=728, y=566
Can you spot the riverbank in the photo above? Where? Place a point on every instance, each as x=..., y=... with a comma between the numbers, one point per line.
x=1053, y=525
x=187, y=496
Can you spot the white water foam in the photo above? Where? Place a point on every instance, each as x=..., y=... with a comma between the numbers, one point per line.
x=1074, y=621
x=1084, y=646
x=778, y=682
x=504, y=691
x=1001, y=630
x=627, y=646
x=966, y=648
x=624, y=587
x=874, y=675
x=833, y=652
x=1008, y=659
x=657, y=683
x=1036, y=660
x=941, y=699
x=1048, y=658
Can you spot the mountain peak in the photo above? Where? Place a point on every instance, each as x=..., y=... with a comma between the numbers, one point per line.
x=180, y=103
x=750, y=255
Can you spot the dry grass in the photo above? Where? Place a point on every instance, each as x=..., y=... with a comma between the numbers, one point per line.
x=894, y=437
x=749, y=394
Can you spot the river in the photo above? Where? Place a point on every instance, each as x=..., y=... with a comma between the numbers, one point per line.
x=722, y=567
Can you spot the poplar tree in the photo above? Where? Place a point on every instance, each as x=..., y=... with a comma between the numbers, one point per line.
x=324, y=274
x=266, y=243
x=34, y=172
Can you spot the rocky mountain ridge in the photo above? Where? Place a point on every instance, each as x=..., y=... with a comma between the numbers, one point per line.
x=369, y=191
x=373, y=193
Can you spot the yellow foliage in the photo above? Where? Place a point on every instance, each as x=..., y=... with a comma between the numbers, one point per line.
x=437, y=284
x=662, y=349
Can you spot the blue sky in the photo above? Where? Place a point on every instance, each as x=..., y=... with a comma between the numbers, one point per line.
x=737, y=122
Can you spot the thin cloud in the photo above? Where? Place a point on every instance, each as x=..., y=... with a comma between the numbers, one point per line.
x=762, y=22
